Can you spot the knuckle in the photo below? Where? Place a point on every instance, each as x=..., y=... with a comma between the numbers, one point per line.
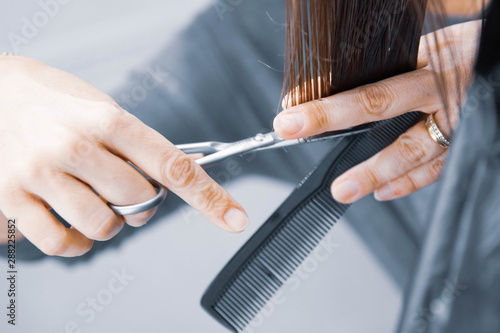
x=178, y=169
x=436, y=167
x=55, y=244
x=77, y=146
x=211, y=198
x=139, y=220
x=375, y=99
x=38, y=169
x=373, y=178
x=410, y=150
x=11, y=193
x=113, y=119
x=104, y=226
x=320, y=114
x=410, y=184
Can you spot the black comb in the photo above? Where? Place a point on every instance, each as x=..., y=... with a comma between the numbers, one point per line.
x=274, y=252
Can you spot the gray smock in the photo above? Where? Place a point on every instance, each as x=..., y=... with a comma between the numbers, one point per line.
x=221, y=79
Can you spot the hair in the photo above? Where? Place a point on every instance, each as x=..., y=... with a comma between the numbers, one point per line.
x=336, y=45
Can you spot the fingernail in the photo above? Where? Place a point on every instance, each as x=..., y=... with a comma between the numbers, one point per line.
x=236, y=219
x=289, y=123
x=384, y=193
x=346, y=191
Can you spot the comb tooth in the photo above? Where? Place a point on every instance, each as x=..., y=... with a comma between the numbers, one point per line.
x=266, y=274
x=260, y=279
x=262, y=292
x=325, y=219
x=258, y=297
x=317, y=223
x=307, y=223
x=324, y=222
x=326, y=205
x=248, y=299
x=299, y=246
x=256, y=301
x=301, y=238
x=290, y=251
x=269, y=274
x=313, y=217
x=249, y=307
x=273, y=264
x=239, y=314
x=239, y=310
x=301, y=225
x=279, y=259
x=321, y=204
x=269, y=264
x=230, y=318
x=305, y=236
x=234, y=301
x=276, y=262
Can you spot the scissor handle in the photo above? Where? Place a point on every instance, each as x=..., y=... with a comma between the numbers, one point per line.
x=143, y=206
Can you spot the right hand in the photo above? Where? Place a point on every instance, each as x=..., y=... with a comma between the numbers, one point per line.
x=60, y=138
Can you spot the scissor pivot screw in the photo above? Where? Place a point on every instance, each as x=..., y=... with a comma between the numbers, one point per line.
x=260, y=137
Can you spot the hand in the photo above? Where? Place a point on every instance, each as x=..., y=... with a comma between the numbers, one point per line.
x=60, y=138
x=414, y=160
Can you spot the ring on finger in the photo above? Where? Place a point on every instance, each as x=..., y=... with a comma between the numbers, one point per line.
x=435, y=132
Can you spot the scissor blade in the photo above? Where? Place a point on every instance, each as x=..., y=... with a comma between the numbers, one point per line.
x=238, y=148
x=208, y=147
x=282, y=143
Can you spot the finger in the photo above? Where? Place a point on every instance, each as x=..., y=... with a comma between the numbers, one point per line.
x=416, y=179
x=41, y=228
x=116, y=181
x=162, y=161
x=377, y=101
x=76, y=203
x=410, y=150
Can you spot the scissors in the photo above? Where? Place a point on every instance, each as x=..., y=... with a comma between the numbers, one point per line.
x=216, y=152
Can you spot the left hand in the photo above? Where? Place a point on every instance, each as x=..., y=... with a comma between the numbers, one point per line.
x=414, y=160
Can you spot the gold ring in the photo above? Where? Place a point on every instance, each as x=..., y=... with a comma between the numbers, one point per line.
x=435, y=132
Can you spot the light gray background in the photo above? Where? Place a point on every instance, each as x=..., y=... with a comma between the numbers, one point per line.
x=174, y=260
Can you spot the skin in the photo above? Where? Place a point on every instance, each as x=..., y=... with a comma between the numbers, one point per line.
x=414, y=160
x=457, y=7
x=61, y=137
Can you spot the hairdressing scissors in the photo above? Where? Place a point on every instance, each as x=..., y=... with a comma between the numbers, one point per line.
x=216, y=152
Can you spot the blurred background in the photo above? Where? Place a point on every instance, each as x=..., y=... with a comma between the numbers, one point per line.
x=153, y=281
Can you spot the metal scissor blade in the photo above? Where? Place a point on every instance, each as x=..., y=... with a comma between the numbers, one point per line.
x=282, y=143
x=208, y=147
x=238, y=148
x=218, y=151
